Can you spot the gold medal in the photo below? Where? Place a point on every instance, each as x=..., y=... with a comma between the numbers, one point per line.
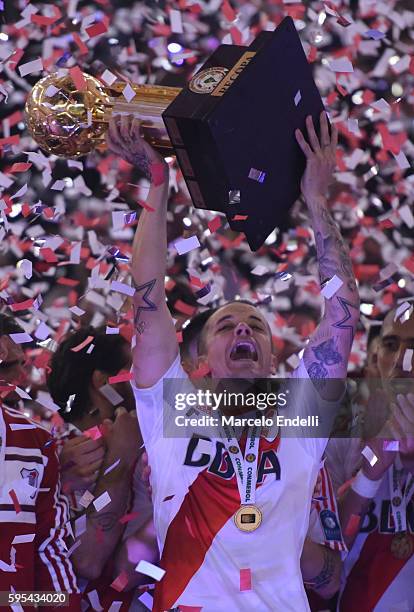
x=402, y=545
x=248, y=518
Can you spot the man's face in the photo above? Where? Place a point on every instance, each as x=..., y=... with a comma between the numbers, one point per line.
x=237, y=343
x=396, y=338
x=12, y=359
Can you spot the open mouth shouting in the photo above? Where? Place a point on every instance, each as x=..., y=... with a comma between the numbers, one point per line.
x=244, y=350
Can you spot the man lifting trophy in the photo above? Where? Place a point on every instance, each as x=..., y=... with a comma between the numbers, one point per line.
x=230, y=127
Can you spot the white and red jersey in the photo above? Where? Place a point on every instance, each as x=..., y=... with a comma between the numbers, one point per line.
x=33, y=514
x=324, y=524
x=374, y=580
x=195, y=497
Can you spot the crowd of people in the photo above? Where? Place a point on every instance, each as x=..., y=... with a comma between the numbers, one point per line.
x=96, y=501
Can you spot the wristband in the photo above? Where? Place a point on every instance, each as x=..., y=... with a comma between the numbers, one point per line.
x=364, y=486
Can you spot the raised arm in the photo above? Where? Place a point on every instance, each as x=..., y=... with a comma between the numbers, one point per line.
x=156, y=341
x=326, y=355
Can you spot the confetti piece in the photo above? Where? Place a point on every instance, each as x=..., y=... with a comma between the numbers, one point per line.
x=352, y=525
x=86, y=499
x=157, y=173
x=150, y=570
x=374, y=34
x=240, y=217
x=129, y=517
x=298, y=97
x=31, y=67
x=128, y=93
x=95, y=602
x=185, y=245
x=257, y=175
x=78, y=78
x=148, y=601
x=214, y=224
x=260, y=270
x=402, y=161
x=102, y=501
x=21, y=426
x=331, y=287
x=112, y=467
x=80, y=525
x=401, y=309
x=21, y=338
x=82, y=345
x=245, y=580
x=122, y=288
x=93, y=433
x=112, y=331
x=369, y=455
x=23, y=539
x=176, y=22
x=111, y=395
x=15, y=501
x=341, y=65
x=96, y=29
x=115, y=606
x=77, y=311
x=108, y=78
x=391, y=445
x=408, y=360
x=43, y=331
x=120, y=582
x=122, y=376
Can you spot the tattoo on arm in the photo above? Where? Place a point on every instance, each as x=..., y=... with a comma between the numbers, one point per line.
x=326, y=354
x=333, y=254
x=104, y=521
x=326, y=574
x=149, y=306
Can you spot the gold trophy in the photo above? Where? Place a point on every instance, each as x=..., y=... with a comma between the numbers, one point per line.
x=69, y=122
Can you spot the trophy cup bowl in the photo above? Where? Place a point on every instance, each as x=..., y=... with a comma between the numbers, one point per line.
x=70, y=123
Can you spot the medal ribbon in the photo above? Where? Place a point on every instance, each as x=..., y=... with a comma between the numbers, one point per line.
x=246, y=471
x=399, y=512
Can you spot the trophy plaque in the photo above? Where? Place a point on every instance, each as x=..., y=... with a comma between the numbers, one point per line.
x=232, y=127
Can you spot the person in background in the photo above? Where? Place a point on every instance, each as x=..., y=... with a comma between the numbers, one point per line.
x=99, y=453
x=33, y=514
x=377, y=509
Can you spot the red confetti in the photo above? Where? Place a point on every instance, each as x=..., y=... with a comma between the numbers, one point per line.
x=20, y=167
x=128, y=517
x=93, y=433
x=157, y=174
x=96, y=29
x=353, y=525
x=10, y=140
x=79, y=42
x=120, y=582
x=245, y=580
x=240, y=217
x=68, y=282
x=15, y=501
x=123, y=376
x=214, y=224
x=228, y=11
x=78, y=78
x=26, y=305
x=185, y=308
x=82, y=345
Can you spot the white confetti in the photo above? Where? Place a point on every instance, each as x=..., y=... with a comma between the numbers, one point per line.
x=77, y=311
x=391, y=445
x=95, y=602
x=298, y=97
x=341, y=65
x=150, y=570
x=102, y=501
x=43, y=331
x=408, y=360
x=402, y=160
x=21, y=338
x=369, y=455
x=23, y=539
x=86, y=499
x=185, y=245
x=111, y=395
x=176, y=21
x=51, y=91
x=259, y=270
x=128, y=93
x=108, y=78
x=112, y=331
x=331, y=287
x=122, y=288
x=30, y=67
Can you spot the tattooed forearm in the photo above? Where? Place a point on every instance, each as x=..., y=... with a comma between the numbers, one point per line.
x=143, y=303
x=327, y=572
x=332, y=252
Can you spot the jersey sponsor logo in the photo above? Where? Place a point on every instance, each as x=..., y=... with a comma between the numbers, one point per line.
x=32, y=476
x=380, y=519
x=222, y=466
